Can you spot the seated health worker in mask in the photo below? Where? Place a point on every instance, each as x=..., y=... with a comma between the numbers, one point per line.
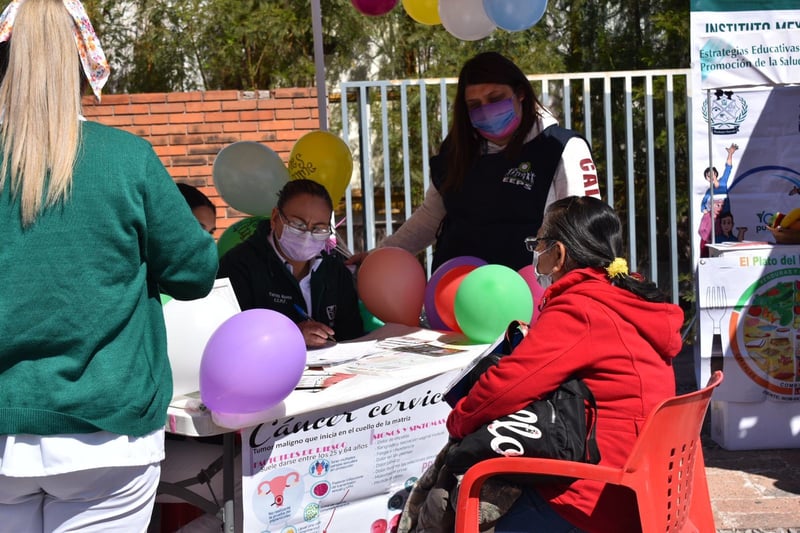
x=287, y=266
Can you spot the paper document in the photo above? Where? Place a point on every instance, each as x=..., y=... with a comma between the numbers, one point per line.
x=340, y=352
x=398, y=354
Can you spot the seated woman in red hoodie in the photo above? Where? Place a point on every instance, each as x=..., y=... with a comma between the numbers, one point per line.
x=599, y=323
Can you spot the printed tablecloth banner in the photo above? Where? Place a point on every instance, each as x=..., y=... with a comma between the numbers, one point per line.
x=345, y=469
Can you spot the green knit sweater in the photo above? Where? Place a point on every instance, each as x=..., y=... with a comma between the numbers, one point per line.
x=82, y=337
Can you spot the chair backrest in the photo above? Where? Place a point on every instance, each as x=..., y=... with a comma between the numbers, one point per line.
x=665, y=461
x=665, y=470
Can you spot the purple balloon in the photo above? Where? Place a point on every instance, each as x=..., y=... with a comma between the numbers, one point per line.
x=252, y=362
x=430, y=289
x=374, y=8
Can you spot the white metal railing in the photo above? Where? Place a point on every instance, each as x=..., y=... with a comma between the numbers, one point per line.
x=394, y=126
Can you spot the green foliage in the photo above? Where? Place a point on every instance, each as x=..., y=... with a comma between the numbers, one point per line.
x=173, y=45
x=263, y=44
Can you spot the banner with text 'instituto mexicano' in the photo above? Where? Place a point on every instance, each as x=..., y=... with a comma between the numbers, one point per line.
x=745, y=117
x=745, y=42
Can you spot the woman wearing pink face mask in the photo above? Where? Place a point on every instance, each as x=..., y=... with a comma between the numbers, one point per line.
x=284, y=266
x=503, y=162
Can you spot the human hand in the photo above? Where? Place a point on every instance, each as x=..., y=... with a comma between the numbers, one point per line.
x=315, y=334
x=732, y=148
x=356, y=259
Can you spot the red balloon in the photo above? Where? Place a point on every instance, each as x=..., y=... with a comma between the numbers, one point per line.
x=445, y=294
x=391, y=283
x=374, y=8
x=430, y=289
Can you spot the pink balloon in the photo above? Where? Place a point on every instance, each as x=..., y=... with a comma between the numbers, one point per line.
x=374, y=8
x=537, y=291
x=434, y=319
x=391, y=283
x=252, y=362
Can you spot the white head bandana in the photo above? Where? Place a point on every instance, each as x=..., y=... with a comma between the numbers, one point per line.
x=93, y=60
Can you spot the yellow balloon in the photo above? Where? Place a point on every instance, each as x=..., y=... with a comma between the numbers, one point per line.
x=325, y=158
x=423, y=11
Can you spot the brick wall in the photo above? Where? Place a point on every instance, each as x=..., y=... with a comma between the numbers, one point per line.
x=187, y=130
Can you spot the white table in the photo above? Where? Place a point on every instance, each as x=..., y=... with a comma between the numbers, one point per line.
x=379, y=376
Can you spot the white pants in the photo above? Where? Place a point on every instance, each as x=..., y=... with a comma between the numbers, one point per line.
x=118, y=499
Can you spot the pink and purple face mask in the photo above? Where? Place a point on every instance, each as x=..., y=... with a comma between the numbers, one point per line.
x=495, y=121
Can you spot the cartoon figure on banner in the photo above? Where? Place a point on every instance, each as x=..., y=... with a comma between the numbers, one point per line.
x=725, y=230
x=278, y=496
x=716, y=184
x=277, y=485
x=319, y=468
x=719, y=187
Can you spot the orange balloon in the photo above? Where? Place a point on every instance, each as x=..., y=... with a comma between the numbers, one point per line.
x=444, y=296
x=391, y=283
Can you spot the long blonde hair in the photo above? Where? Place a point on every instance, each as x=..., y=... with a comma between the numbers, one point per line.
x=41, y=107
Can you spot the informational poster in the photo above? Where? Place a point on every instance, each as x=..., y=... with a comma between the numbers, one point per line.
x=347, y=469
x=745, y=117
x=755, y=163
x=749, y=301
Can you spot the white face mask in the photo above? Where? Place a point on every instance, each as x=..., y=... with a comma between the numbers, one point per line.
x=300, y=247
x=544, y=280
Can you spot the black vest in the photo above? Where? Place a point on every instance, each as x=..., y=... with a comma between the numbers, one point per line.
x=500, y=202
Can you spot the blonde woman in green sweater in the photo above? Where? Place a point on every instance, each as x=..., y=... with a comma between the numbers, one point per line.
x=93, y=228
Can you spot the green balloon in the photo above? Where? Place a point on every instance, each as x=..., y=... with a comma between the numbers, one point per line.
x=370, y=321
x=237, y=233
x=488, y=299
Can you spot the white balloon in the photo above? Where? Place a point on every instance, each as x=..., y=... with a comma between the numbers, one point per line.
x=248, y=176
x=465, y=19
x=189, y=326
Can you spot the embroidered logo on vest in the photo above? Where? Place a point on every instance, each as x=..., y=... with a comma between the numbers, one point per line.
x=522, y=176
x=331, y=312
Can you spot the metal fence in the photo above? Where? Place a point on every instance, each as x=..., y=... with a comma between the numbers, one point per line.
x=637, y=122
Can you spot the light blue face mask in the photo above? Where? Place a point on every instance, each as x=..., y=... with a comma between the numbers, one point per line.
x=495, y=121
x=544, y=280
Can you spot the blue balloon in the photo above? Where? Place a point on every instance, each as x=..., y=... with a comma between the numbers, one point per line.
x=514, y=15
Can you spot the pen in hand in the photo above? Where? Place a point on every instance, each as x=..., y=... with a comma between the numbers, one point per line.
x=305, y=316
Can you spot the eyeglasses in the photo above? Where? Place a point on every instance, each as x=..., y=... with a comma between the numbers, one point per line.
x=531, y=243
x=320, y=232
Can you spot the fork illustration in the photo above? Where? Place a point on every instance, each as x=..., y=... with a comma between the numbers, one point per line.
x=716, y=307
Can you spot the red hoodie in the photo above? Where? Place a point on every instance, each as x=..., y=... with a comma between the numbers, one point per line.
x=621, y=346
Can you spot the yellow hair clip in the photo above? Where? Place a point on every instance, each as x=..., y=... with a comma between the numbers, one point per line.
x=618, y=267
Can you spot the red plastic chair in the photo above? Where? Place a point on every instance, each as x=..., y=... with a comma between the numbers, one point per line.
x=665, y=469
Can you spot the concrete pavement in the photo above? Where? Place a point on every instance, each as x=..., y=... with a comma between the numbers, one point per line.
x=752, y=491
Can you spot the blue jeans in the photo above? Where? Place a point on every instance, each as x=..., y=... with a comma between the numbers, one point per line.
x=531, y=513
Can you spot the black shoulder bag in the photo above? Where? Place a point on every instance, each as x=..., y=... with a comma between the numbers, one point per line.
x=560, y=426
